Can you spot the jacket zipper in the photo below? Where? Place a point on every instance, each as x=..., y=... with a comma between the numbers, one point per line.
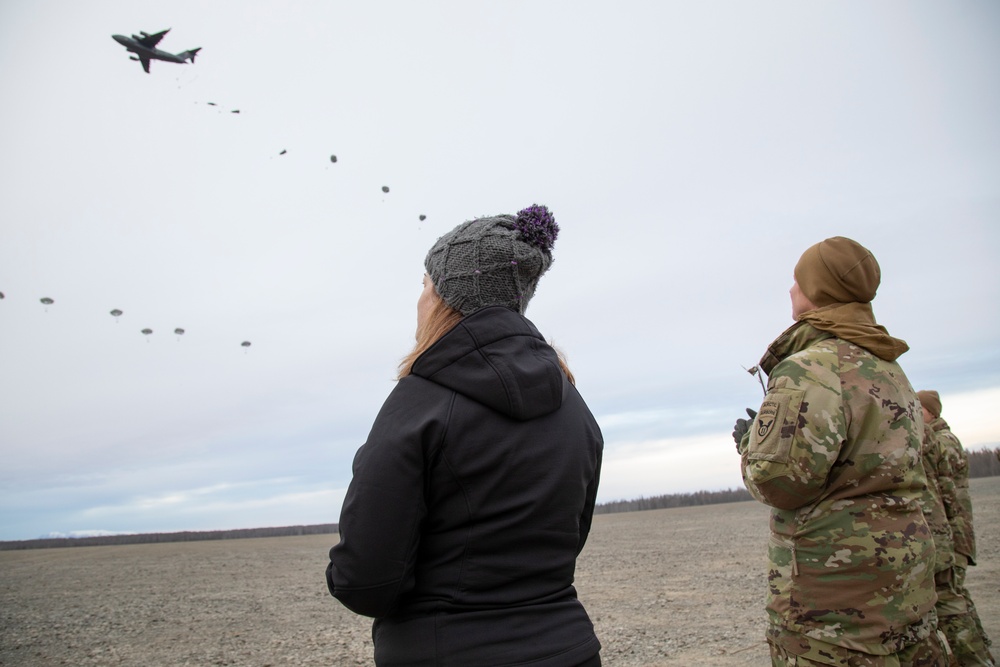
x=790, y=545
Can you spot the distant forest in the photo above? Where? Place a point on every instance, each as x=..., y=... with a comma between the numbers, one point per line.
x=674, y=500
x=982, y=463
x=154, y=538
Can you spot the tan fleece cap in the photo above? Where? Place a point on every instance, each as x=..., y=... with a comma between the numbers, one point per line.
x=930, y=400
x=838, y=270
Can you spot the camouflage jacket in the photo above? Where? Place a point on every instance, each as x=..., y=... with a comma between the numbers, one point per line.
x=835, y=451
x=937, y=467
x=957, y=502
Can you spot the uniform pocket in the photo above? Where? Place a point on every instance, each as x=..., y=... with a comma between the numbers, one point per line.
x=774, y=429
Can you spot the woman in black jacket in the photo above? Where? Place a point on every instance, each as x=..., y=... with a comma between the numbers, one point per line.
x=475, y=490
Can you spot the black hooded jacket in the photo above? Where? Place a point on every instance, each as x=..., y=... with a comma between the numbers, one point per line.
x=470, y=502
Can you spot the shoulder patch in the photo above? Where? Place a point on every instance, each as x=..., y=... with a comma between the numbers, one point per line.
x=775, y=427
x=765, y=418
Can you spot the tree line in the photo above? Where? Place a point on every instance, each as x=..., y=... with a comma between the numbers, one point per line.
x=155, y=538
x=674, y=500
x=982, y=463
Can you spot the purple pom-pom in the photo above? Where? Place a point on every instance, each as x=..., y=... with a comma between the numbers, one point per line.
x=537, y=227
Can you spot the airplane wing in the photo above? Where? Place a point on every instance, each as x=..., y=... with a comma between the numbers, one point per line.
x=150, y=41
x=145, y=62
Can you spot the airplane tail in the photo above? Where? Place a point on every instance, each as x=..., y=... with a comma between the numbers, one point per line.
x=189, y=55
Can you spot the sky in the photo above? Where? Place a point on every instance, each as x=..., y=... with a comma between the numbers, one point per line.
x=690, y=151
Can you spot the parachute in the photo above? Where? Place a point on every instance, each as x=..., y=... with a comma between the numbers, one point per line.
x=245, y=343
x=1, y=295
x=333, y=158
x=179, y=332
x=147, y=332
x=116, y=314
x=214, y=104
x=385, y=188
x=422, y=217
x=47, y=301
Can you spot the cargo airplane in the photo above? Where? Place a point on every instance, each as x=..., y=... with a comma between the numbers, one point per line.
x=144, y=48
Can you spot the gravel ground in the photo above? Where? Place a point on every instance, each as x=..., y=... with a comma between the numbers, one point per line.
x=678, y=587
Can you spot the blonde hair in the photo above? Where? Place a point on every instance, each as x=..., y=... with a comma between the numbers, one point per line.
x=563, y=365
x=441, y=319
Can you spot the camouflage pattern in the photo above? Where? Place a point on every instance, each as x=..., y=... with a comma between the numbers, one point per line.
x=937, y=469
x=959, y=504
x=932, y=651
x=960, y=623
x=957, y=612
x=967, y=640
x=835, y=451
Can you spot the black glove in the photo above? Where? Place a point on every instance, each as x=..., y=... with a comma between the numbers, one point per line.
x=742, y=426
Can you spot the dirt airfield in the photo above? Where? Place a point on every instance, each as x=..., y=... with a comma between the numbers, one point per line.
x=676, y=587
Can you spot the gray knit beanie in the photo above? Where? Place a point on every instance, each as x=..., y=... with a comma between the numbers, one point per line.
x=493, y=261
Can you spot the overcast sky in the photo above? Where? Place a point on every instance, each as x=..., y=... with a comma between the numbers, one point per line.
x=690, y=152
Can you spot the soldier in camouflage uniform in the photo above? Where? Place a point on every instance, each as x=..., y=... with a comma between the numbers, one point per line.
x=957, y=614
x=937, y=467
x=835, y=452
x=938, y=471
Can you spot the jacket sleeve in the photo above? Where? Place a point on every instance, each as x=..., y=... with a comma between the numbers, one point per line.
x=587, y=516
x=946, y=479
x=798, y=433
x=373, y=564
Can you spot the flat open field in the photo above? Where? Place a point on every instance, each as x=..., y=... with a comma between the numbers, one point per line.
x=677, y=587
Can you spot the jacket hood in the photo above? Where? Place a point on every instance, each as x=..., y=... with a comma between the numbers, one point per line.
x=498, y=358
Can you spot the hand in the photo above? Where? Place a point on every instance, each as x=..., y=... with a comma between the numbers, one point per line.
x=742, y=426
